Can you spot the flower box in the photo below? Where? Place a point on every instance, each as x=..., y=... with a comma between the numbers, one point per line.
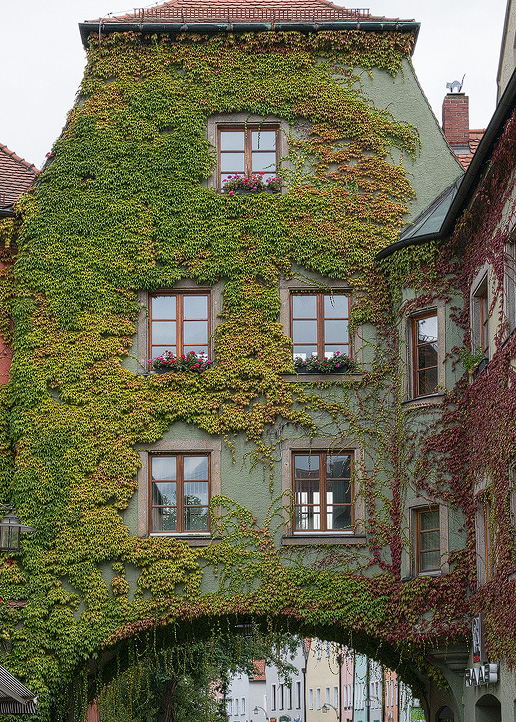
x=336, y=364
x=184, y=363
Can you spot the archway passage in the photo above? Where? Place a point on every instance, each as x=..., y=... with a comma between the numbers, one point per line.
x=445, y=715
x=125, y=664
x=488, y=709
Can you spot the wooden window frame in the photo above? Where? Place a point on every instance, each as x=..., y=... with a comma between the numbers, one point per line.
x=248, y=151
x=484, y=321
x=180, y=456
x=320, y=318
x=322, y=496
x=179, y=319
x=415, y=347
x=419, y=532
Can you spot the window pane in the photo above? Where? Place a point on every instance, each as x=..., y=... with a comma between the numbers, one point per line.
x=308, y=517
x=427, y=355
x=338, y=492
x=336, y=331
x=163, y=332
x=195, y=306
x=304, y=352
x=195, y=467
x=304, y=332
x=163, y=306
x=164, y=467
x=232, y=162
x=194, y=332
x=164, y=519
x=338, y=517
x=306, y=467
x=164, y=494
x=196, y=519
x=430, y=540
x=427, y=382
x=304, y=306
x=196, y=493
x=426, y=329
x=336, y=307
x=429, y=561
x=429, y=520
x=263, y=161
x=158, y=350
x=232, y=140
x=332, y=349
x=264, y=140
x=338, y=467
x=307, y=491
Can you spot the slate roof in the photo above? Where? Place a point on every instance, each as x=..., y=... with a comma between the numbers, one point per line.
x=248, y=10
x=16, y=176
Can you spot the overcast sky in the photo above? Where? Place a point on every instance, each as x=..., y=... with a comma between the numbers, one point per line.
x=42, y=59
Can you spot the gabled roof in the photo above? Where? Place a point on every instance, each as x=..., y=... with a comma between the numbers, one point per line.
x=16, y=176
x=220, y=15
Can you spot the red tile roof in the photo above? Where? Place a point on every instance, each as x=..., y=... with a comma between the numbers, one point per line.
x=16, y=176
x=248, y=10
x=259, y=670
x=475, y=136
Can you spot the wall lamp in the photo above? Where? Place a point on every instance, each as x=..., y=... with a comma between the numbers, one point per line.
x=10, y=530
x=255, y=711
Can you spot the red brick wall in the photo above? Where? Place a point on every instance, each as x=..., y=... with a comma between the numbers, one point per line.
x=456, y=119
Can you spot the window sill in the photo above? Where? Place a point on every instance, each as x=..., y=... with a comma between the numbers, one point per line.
x=314, y=378
x=324, y=539
x=435, y=573
x=430, y=400
x=193, y=540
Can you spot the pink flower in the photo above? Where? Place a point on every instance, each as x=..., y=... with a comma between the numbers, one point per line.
x=197, y=366
x=183, y=356
x=230, y=193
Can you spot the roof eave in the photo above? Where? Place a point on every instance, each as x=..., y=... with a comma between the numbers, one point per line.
x=403, y=26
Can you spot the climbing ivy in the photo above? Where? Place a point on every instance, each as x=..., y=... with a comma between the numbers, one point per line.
x=124, y=205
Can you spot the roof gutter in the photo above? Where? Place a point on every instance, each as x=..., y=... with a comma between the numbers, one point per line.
x=465, y=191
x=211, y=28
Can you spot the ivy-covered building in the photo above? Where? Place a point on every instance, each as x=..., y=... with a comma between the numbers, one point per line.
x=226, y=200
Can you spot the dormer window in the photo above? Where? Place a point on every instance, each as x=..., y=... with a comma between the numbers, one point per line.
x=244, y=150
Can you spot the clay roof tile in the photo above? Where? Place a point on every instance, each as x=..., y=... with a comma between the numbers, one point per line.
x=16, y=176
x=246, y=10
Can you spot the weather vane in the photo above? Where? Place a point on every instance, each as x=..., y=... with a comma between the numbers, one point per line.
x=456, y=85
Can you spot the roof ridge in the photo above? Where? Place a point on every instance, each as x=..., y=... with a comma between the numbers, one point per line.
x=18, y=159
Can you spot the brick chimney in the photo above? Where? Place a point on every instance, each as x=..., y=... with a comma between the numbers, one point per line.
x=456, y=121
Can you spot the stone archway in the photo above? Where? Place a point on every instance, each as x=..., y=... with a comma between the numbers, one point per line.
x=488, y=709
x=445, y=714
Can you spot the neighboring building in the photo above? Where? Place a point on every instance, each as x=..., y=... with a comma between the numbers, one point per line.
x=323, y=679
x=16, y=177
x=507, y=61
x=285, y=698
